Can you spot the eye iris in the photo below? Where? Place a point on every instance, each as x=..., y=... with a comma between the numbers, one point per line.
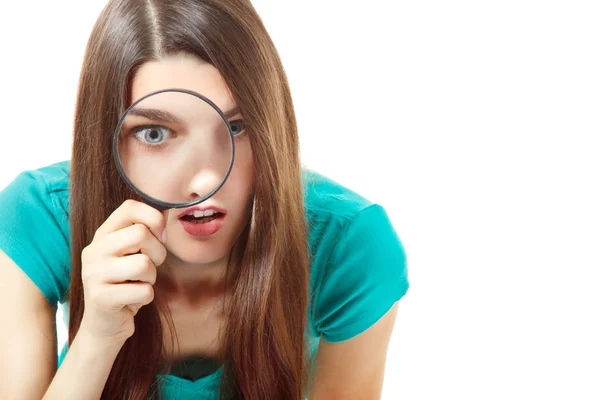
x=154, y=135
x=236, y=127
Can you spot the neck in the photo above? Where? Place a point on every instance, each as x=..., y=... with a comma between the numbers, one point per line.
x=192, y=282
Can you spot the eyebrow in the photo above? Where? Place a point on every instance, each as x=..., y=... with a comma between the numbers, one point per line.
x=232, y=113
x=155, y=115
x=165, y=116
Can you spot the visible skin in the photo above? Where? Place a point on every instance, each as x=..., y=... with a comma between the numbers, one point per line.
x=190, y=270
x=354, y=369
x=31, y=339
x=186, y=265
x=193, y=260
x=194, y=270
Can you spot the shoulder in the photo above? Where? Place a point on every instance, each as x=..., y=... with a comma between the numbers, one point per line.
x=326, y=198
x=35, y=230
x=54, y=176
x=330, y=208
x=358, y=262
x=334, y=210
x=47, y=185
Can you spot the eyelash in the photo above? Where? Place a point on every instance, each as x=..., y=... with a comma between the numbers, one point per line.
x=243, y=126
x=137, y=129
x=134, y=131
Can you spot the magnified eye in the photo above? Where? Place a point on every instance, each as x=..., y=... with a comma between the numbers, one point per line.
x=152, y=135
x=237, y=126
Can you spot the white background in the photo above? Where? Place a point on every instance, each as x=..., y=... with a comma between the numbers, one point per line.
x=475, y=123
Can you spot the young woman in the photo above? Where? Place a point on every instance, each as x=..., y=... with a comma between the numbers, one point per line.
x=294, y=296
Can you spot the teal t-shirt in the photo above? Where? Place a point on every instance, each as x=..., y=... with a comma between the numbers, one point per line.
x=358, y=268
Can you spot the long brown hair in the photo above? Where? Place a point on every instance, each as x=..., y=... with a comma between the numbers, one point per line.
x=266, y=355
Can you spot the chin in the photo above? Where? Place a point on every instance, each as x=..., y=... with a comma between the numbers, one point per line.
x=197, y=253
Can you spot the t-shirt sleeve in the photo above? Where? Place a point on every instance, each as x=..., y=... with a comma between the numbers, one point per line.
x=366, y=274
x=34, y=233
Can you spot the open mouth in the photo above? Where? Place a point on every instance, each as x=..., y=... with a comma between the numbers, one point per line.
x=202, y=219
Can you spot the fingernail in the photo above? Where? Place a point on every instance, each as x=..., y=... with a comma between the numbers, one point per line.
x=164, y=236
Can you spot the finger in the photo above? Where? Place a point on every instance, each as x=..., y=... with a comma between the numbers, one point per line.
x=117, y=296
x=135, y=308
x=135, y=267
x=165, y=214
x=133, y=239
x=133, y=212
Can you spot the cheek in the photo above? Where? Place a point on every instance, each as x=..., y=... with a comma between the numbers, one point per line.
x=243, y=173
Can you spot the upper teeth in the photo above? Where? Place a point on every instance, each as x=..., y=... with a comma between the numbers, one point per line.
x=199, y=213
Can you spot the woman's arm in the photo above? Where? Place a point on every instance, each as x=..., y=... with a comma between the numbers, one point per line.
x=84, y=371
x=28, y=349
x=28, y=335
x=354, y=369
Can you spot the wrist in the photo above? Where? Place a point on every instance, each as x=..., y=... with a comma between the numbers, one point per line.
x=94, y=345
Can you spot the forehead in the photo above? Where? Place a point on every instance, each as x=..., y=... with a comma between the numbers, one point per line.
x=182, y=72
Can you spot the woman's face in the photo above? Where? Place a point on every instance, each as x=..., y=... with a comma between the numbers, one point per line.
x=191, y=239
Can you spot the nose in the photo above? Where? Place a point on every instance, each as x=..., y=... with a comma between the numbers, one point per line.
x=208, y=169
x=208, y=157
x=203, y=182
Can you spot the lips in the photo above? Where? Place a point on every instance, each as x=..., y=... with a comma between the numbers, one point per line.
x=195, y=228
x=206, y=229
x=202, y=208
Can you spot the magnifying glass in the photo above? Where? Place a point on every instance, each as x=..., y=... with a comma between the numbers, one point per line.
x=174, y=148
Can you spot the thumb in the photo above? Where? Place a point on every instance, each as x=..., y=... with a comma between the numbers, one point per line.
x=134, y=308
x=163, y=237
